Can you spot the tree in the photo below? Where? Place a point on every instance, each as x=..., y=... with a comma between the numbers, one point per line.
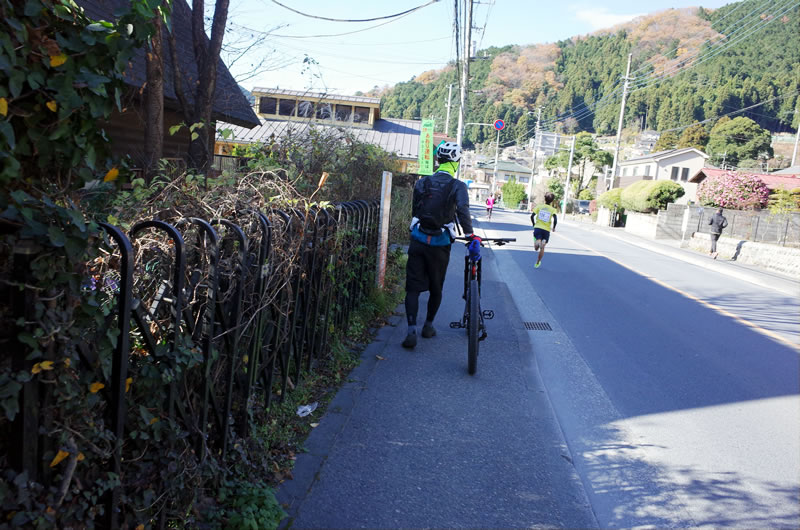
x=694, y=136
x=739, y=139
x=154, y=96
x=513, y=193
x=586, y=150
x=738, y=191
x=206, y=55
x=556, y=187
x=666, y=141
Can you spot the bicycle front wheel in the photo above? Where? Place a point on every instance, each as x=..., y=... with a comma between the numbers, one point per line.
x=472, y=326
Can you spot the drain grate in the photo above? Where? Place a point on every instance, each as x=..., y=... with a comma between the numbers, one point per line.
x=538, y=326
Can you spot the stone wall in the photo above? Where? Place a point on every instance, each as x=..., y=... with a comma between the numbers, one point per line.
x=783, y=260
x=642, y=224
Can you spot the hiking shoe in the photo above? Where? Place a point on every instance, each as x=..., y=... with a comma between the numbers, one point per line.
x=428, y=331
x=538, y=264
x=411, y=341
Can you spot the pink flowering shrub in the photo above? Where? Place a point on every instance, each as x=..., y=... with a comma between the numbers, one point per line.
x=737, y=191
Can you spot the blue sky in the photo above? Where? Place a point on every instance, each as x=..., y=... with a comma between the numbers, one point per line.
x=380, y=53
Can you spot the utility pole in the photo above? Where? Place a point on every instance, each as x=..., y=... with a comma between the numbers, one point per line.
x=796, y=141
x=535, y=150
x=724, y=156
x=462, y=112
x=621, y=114
x=447, y=120
x=569, y=170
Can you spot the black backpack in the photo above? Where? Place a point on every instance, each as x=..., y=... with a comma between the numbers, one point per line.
x=434, y=208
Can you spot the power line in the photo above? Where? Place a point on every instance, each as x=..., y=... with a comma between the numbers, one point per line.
x=406, y=12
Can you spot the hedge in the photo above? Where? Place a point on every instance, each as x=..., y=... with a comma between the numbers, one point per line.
x=650, y=195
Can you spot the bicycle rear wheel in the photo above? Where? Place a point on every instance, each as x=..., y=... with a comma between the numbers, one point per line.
x=472, y=326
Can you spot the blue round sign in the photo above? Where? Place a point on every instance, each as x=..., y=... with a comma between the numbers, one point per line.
x=499, y=124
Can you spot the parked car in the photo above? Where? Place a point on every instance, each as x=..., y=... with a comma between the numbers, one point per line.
x=583, y=207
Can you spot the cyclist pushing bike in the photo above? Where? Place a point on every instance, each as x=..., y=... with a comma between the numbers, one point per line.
x=439, y=200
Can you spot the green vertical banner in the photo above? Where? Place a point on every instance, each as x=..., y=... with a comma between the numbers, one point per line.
x=426, y=148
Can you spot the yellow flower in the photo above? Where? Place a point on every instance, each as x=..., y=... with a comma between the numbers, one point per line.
x=80, y=457
x=154, y=420
x=95, y=387
x=42, y=366
x=67, y=362
x=57, y=60
x=112, y=174
x=128, y=382
x=61, y=455
x=3, y=106
x=52, y=105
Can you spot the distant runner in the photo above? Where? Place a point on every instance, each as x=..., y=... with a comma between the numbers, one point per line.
x=490, y=205
x=544, y=221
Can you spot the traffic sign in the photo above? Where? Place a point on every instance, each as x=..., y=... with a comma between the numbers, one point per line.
x=499, y=124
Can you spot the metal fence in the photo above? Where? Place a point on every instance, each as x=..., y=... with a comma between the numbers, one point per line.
x=256, y=299
x=748, y=225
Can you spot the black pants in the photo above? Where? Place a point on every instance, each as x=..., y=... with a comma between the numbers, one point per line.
x=714, y=238
x=425, y=271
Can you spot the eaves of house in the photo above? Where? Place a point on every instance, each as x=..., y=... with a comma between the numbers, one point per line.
x=661, y=155
x=230, y=104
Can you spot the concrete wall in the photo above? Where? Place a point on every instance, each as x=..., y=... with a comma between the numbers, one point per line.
x=783, y=260
x=641, y=224
x=670, y=222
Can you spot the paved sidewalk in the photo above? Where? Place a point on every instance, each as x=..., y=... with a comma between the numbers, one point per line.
x=412, y=440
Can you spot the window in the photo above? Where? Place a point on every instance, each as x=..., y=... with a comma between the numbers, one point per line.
x=305, y=109
x=324, y=111
x=647, y=170
x=685, y=174
x=361, y=115
x=343, y=112
x=624, y=172
x=674, y=173
x=286, y=107
x=635, y=171
x=267, y=105
x=523, y=180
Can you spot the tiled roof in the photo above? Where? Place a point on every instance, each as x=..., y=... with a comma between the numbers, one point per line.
x=230, y=104
x=662, y=155
x=320, y=95
x=503, y=165
x=400, y=137
x=794, y=170
x=772, y=180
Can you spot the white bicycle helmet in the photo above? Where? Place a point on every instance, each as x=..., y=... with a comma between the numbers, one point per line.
x=448, y=152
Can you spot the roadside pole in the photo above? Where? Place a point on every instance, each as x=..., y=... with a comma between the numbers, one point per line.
x=621, y=116
x=383, y=235
x=569, y=170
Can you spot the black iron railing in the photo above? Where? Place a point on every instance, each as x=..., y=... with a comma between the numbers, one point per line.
x=229, y=313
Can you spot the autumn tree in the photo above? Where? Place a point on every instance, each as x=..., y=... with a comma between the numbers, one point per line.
x=694, y=136
x=666, y=141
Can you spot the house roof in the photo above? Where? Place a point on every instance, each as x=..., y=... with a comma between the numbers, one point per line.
x=773, y=181
x=320, y=95
x=230, y=104
x=661, y=155
x=503, y=165
x=400, y=137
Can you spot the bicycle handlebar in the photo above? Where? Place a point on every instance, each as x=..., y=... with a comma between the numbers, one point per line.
x=499, y=240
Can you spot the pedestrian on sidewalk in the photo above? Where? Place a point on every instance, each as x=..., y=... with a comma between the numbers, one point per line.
x=717, y=222
x=544, y=220
x=490, y=205
x=438, y=200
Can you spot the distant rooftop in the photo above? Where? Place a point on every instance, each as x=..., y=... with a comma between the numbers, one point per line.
x=316, y=95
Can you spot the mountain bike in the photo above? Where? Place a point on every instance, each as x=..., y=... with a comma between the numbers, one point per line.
x=474, y=316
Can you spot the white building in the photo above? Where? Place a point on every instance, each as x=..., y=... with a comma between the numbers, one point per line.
x=675, y=164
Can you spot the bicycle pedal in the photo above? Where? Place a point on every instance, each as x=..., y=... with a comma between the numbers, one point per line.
x=456, y=325
x=483, y=336
x=487, y=314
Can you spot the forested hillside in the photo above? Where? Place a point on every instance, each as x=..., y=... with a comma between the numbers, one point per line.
x=688, y=65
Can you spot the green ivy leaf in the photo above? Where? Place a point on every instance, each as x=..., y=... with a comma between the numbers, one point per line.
x=57, y=237
x=174, y=129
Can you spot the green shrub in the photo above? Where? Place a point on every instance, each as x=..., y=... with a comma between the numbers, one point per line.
x=610, y=199
x=513, y=193
x=650, y=195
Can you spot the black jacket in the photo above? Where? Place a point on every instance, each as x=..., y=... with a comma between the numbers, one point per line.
x=458, y=200
x=717, y=222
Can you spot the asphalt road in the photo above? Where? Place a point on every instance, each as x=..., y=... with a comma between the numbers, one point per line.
x=677, y=388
